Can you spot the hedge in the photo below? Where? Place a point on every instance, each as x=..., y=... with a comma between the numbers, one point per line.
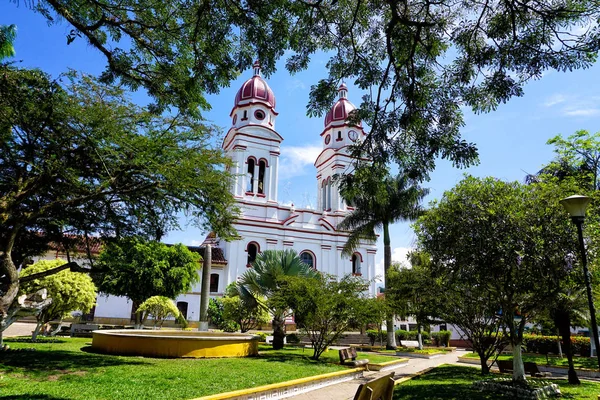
x=548, y=344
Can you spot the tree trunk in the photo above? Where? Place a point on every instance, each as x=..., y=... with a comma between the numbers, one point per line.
x=54, y=332
x=485, y=369
x=36, y=331
x=278, y=331
x=205, y=291
x=387, y=263
x=419, y=337
x=562, y=319
x=518, y=367
x=9, y=285
x=1, y=338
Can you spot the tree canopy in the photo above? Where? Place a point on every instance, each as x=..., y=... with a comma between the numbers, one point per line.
x=419, y=61
x=69, y=291
x=141, y=269
x=77, y=157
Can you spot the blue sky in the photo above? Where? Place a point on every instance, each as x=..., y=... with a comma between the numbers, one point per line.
x=511, y=140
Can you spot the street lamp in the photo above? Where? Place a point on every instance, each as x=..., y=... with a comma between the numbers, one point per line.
x=575, y=206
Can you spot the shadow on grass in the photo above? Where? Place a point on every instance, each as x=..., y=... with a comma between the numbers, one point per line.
x=42, y=363
x=454, y=382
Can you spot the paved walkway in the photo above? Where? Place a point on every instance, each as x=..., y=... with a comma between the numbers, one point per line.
x=347, y=390
x=19, y=329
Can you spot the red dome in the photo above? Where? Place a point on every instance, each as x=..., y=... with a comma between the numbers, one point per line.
x=341, y=109
x=255, y=90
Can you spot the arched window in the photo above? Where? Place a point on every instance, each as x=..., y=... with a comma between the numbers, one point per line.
x=182, y=306
x=250, y=175
x=356, y=259
x=252, y=250
x=339, y=136
x=324, y=195
x=214, y=283
x=308, y=258
x=245, y=117
x=329, y=194
x=262, y=165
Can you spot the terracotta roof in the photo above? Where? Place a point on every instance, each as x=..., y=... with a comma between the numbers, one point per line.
x=217, y=253
x=77, y=244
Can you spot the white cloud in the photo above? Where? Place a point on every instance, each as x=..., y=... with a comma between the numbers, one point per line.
x=194, y=242
x=294, y=84
x=295, y=159
x=555, y=99
x=398, y=255
x=584, y=112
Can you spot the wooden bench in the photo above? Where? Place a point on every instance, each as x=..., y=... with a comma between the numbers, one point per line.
x=83, y=330
x=377, y=389
x=348, y=357
x=531, y=368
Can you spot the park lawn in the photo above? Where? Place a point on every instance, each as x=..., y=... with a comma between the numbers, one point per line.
x=331, y=356
x=56, y=371
x=454, y=382
x=540, y=359
x=421, y=351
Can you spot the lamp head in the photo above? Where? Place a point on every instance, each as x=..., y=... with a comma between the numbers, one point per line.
x=576, y=205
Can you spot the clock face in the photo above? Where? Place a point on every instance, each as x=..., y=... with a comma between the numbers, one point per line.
x=353, y=135
x=327, y=139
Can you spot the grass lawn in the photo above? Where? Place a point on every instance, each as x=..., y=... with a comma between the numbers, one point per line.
x=56, y=371
x=422, y=351
x=331, y=356
x=540, y=359
x=454, y=382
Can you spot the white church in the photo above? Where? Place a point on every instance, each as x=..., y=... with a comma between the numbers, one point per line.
x=253, y=143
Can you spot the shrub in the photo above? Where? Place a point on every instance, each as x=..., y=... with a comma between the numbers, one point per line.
x=292, y=338
x=444, y=338
x=402, y=335
x=160, y=308
x=375, y=335
x=215, y=312
x=230, y=326
x=548, y=344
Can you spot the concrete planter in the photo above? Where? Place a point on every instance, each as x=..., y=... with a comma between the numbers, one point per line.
x=389, y=365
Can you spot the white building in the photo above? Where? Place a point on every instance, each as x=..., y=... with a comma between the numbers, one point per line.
x=253, y=143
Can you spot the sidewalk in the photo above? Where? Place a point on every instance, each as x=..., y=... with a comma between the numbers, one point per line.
x=347, y=390
x=19, y=329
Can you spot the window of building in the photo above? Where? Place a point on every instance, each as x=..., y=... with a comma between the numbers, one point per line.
x=262, y=165
x=259, y=115
x=245, y=117
x=324, y=195
x=339, y=136
x=328, y=194
x=182, y=306
x=356, y=264
x=234, y=119
x=307, y=258
x=214, y=283
x=250, y=176
x=252, y=252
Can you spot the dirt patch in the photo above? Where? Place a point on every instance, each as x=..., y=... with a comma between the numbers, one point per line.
x=63, y=373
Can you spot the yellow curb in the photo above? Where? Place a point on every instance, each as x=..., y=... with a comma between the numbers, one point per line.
x=385, y=364
x=244, y=392
x=408, y=378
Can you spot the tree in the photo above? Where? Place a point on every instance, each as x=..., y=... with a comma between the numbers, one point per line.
x=503, y=239
x=247, y=316
x=69, y=291
x=420, y=61
x=379, y=200
x=160, y=308
x=8, y=34
x=265, y=278
x=140, y=269
x=414, y=290
x=79, y=159
x=323, y=307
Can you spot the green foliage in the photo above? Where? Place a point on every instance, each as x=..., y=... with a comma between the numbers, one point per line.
x=160, y=308
x=230, y=326
x=441, y=338
x=549, y=344
x=8, y=34
x=263, y=336
x=323, y=307
x=292, y=338
x=264, y=280
x=420, y=62
x=375, y=336
x=70, y=291
x=247, y=315
x=102, y=166
x=215, y=312
x=141, y=269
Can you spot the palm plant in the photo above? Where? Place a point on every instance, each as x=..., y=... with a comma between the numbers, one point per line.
x=379, y=200
x=7, y=38
x=264, y=279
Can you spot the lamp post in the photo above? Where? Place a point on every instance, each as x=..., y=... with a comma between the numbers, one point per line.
x=575, y=206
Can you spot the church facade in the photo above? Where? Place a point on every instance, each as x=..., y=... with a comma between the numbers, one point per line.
x=253, y=144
